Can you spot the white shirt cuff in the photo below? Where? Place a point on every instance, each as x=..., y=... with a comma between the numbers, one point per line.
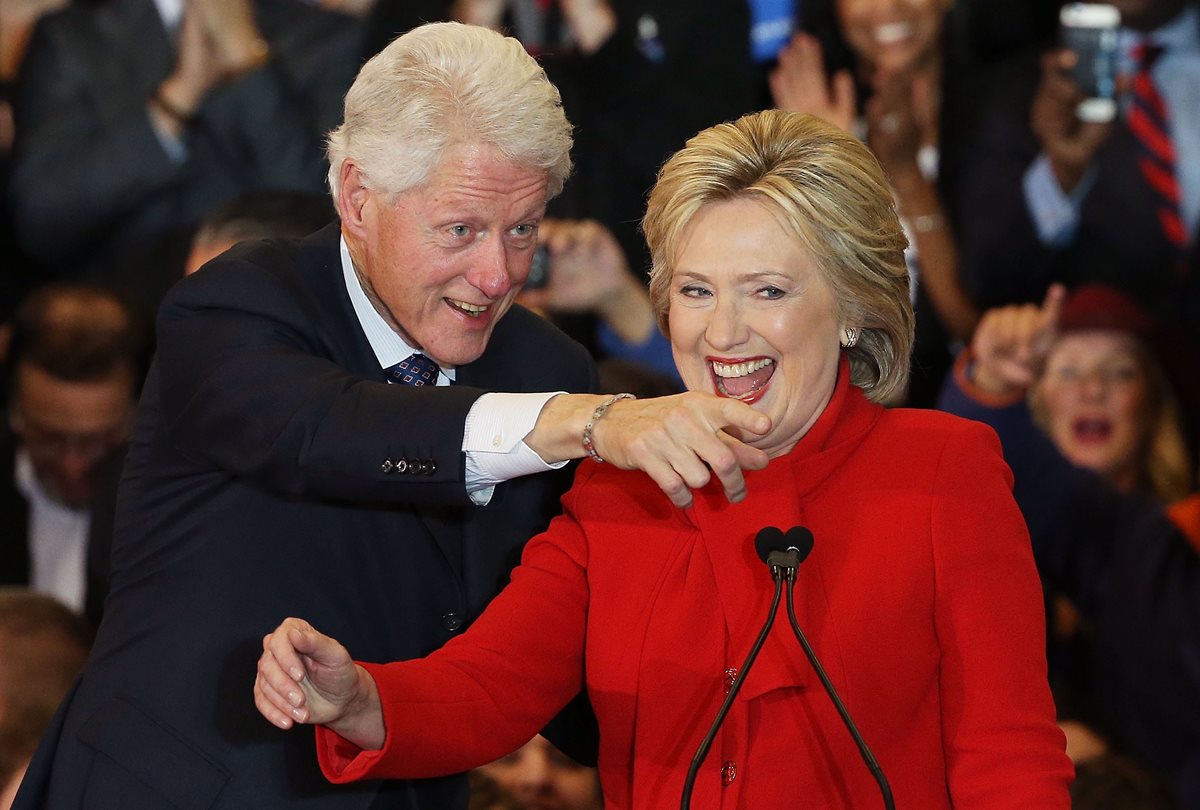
x=493, y=441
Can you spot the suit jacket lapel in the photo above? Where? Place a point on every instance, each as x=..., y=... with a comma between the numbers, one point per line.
x=321, y=263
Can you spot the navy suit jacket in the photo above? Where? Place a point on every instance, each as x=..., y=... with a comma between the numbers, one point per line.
x=256, y=489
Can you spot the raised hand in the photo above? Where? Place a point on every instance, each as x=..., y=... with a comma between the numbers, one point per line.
x=307, y=677
x=1011, y=343
x=800, y=83
x=1070, y=144
x=237, y=42
x=900, y=116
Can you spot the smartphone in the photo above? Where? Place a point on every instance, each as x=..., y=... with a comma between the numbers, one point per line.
x=1090, y=31
x=539, y=269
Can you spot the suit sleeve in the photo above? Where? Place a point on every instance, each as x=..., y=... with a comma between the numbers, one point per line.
x=488, y=692
x=248, y=384
x=1003, y=748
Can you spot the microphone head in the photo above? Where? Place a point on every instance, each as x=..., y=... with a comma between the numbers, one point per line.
x=800, y=539
x=767, y=540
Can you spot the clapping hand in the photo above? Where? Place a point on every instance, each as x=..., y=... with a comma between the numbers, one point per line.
x=800, y=83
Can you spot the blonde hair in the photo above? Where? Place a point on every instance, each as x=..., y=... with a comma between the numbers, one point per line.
x=446, y=83
x=829, y=187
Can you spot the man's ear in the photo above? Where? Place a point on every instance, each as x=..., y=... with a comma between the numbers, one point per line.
x=353, y=195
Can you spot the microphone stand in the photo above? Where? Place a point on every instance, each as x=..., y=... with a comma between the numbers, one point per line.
x=863, y=750
x=734, y=688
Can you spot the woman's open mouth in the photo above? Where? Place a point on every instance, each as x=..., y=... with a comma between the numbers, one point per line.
x=744, y=380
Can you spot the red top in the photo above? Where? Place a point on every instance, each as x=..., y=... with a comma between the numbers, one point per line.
x=920, y=598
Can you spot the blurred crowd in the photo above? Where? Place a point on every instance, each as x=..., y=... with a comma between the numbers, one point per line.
x=1054, y=266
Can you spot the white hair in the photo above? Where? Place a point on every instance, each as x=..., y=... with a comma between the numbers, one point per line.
x=442, y=84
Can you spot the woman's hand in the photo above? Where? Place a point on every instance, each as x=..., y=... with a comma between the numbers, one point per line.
x=900, y=117
x=1011, y=343
x=307, y=677
x=800, y=83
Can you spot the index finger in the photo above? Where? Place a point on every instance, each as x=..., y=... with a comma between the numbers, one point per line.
x=738, y=415
x=1052, y=307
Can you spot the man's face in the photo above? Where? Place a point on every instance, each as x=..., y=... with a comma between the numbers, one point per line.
x=69, y=427
x=444, y=261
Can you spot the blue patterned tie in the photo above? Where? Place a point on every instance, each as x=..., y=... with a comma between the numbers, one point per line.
x=416, y=370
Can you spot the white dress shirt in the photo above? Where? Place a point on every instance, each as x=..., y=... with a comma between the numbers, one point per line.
x=497, y=423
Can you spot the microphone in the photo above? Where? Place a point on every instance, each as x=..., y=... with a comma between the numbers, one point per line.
x=768, y=538
x=787, y=552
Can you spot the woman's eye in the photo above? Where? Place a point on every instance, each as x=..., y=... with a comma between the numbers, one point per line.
x=692, y=291
x=771, y=292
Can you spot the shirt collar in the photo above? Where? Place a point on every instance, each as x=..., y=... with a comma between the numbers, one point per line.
x=1180, y=35
x=388, y=346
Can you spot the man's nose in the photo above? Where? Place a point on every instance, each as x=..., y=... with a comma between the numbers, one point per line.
x=490, y=273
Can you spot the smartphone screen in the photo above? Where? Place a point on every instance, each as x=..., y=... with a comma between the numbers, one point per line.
x=1089, y=30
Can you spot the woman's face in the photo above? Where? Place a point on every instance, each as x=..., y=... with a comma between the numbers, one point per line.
x=1095, y=394
x=543, y=778
x=892, y=35
x=752, y=318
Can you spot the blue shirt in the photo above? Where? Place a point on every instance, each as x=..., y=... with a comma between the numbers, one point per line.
x=1177, y=76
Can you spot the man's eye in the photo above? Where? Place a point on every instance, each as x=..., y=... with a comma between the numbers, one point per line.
x=460, y=230
x=524, y=230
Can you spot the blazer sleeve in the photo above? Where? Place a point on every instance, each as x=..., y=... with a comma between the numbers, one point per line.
x=1003, y=748
x=489, y=691
x=252, y=382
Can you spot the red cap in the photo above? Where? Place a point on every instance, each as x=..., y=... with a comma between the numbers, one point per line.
x=1099, y=306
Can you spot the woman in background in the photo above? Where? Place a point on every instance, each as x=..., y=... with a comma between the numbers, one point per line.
x=891, y=95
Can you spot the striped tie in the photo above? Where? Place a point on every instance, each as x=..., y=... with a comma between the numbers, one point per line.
x=416, y=370
x=1148, y=119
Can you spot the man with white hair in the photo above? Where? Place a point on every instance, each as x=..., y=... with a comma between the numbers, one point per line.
x=300, y=451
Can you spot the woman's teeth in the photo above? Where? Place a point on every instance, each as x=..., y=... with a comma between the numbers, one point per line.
x=891, y=33
x=729, y=370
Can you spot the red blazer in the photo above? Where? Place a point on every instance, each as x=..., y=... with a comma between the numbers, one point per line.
x=920, y=597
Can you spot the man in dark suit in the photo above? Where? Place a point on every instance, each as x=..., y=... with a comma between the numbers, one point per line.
x=282, y=462
x=74, y=368
x=136, y=117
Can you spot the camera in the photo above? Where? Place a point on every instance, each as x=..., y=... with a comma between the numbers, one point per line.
x=1089, y=30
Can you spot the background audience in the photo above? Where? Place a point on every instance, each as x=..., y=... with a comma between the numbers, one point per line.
x=74, y=370
x=45, y=644
x=140, y=138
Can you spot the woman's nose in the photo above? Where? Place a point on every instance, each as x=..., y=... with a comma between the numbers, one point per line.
x=726, y=328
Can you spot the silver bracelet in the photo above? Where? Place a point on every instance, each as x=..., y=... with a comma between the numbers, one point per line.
x=601, y=409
